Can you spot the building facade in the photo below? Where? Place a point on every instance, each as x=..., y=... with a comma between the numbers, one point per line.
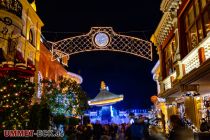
x=19, y=38
x=52, y=69
x=182, y=73
x=22, y=50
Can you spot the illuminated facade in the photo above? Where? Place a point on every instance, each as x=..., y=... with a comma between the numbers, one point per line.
x=52, y=69
x=20, y=34
x=21, y=47
x=182, y=72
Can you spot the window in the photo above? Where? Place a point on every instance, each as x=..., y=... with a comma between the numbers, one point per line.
x=31, y=39
x=169, y=51
x=30, y=59
x=207, y=20
x=196, y=26
x=11, y=46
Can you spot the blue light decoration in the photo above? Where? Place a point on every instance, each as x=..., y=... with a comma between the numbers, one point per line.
x=62, y=102
x=108, y=114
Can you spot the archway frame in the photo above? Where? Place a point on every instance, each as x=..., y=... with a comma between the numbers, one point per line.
x=101, y=39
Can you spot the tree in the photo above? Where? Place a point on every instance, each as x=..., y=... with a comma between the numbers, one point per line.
x=66, y=97
x=15, y=98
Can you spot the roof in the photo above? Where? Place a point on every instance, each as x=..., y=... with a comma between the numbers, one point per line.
x=104, y=94
x=105, y=97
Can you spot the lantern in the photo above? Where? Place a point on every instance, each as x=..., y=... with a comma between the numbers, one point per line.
x=154, y=99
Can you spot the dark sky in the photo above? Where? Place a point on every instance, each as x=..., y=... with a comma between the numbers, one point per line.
x=123, y=73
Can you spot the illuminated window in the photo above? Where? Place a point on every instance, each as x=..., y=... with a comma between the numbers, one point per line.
x=197, y=26
x=169, y=52
x=31, y=56
x=11, y=46
x=207, y=20
x=31, y=39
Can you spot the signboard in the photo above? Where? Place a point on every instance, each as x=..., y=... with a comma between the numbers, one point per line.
x=193, y=87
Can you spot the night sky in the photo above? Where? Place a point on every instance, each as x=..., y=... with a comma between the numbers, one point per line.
x=123, y=73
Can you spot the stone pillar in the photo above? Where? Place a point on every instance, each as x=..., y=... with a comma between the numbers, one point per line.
x=162, y=89
x=190, y=108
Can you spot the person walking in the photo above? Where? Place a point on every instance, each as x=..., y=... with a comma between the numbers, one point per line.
x=137, y=130
x=179, y=131
x=204, y=125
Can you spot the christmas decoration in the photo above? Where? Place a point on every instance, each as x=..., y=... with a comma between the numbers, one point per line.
x=154, y=99
x=66, y=98
x=15, y=98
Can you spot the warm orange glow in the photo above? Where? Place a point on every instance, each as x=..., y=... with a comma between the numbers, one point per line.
x=154, y=99
x=108, y=101
x=103, y=85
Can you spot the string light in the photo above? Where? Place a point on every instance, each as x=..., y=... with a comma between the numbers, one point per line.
x=82, y=33
x=16, y=106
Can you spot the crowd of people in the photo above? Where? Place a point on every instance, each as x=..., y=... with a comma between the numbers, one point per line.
x=97, y=131
x=140, y=129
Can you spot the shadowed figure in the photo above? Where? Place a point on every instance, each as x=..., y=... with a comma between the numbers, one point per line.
x=179, y=131
x=204, y=125
x=137, y=131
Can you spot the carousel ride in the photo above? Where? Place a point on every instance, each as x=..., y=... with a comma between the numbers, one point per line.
x=105, y=99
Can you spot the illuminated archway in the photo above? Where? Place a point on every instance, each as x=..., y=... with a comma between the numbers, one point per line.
x=101, y=39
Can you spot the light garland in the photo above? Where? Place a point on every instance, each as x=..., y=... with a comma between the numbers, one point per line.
x=65, y=97
x=15, y=97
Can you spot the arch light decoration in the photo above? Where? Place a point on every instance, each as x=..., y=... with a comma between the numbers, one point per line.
x=101, y=39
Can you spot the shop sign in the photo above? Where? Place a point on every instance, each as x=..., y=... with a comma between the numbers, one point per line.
x=192, y=87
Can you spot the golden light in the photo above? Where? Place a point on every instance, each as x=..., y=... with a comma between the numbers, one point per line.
x=108, y=101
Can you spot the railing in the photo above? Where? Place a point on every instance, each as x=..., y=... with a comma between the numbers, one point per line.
x=13, y=6
x=191, y=61
x=207, y=48
x=168, y=81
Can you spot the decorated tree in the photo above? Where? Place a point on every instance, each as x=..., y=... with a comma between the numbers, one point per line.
x=15, y=98
x=64, y=98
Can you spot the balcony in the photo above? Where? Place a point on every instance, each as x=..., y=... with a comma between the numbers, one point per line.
x=167, y=82
x=12, y=6
x=197, y=56
x=12, y=62
x=191, y=62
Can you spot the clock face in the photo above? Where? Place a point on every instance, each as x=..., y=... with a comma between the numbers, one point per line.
x=101, y=39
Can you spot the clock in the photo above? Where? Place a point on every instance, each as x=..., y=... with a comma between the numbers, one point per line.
x=101, y=39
